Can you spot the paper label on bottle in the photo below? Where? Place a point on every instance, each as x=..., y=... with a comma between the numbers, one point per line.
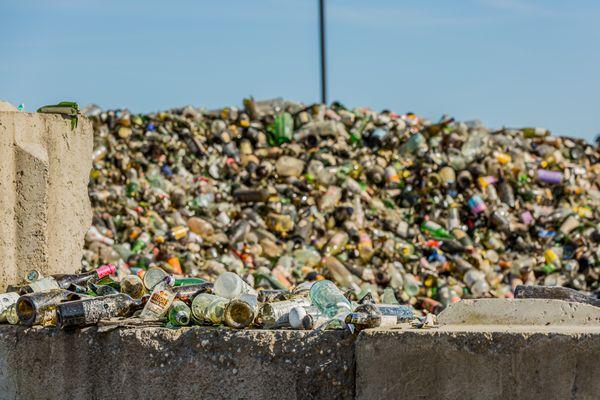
x=160, y=298
x=44, y=285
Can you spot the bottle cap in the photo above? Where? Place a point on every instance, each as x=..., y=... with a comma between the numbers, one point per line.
x=106, y=270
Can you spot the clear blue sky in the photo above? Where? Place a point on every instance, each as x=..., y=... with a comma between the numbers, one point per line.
x=506, y=62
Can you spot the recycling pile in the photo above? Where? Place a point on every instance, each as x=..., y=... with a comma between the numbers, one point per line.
x=281, y=193
x=392, y=208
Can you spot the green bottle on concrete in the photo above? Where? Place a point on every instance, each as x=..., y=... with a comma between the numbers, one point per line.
x=179, y=314
x=329, y=299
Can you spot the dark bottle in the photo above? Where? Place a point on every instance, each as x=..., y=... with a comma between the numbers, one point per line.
x=32, y=308
x=366, y=317
x=554, y=292
x=379, y=315
x=270, y=295
x=65, y=281
x=435, y=129
x=69, y=281
x=506, y=192
x=188, y=292
x=90, y=311
x=103, y=290
x=251, y=195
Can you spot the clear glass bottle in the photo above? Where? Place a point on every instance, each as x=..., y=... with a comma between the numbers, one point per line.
x=11, y=315
x=476, y=282
x=230, y=286
x=379, y=315
x=297, y=314
x=133, y=286
x=336, y=244
x=160, y=300
x=329, y=299
x=240, y=312
x=208, y=308
x=277, y=314
x=7, y=300
x=153, y=276
x=313, y=321
x=411, y=285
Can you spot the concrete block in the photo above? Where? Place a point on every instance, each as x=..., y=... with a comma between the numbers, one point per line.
x=482, y=362
x=520, y=312
x=6, y=106
x=449, y=362
x=188, y=363
x=44, y=206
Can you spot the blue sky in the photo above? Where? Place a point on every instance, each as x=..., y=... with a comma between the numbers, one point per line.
x=506, y=62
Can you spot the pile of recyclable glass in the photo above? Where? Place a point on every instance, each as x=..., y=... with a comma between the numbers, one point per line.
x=282, y=193
x=390, y=207
x=107, y=295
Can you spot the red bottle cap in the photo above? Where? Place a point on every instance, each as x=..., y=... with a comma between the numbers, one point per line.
x=106, y=270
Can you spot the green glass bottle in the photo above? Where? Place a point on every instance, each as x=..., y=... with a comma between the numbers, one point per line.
x=283, y=128
x=179, y=314
x=142, y=241
x=329, y=299
x=188, y=281
x=436, y=231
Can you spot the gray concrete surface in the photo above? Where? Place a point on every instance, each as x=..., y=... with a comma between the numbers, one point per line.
x=479, y=362
x=449, y=362
x=44, y=205
x=540, y=312
x=161, y=363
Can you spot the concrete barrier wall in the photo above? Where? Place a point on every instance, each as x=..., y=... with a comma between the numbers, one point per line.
x=161, y=363
x=451, y=362
x=44, y=205
x=479, y=362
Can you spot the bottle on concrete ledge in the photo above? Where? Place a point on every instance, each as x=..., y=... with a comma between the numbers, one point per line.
x=160, y=300
x=230, y=286
x=179, y=314
x=277, y=314
x=90, y=311
x=6, y=301
x=33, y=308
x=241, y=312
x=329, y=299
x=67, y=281
x=208, y=308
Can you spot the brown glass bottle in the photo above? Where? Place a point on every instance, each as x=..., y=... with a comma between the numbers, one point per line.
x=31, y=308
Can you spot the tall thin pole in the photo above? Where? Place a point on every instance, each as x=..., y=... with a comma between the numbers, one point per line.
x=323, y=60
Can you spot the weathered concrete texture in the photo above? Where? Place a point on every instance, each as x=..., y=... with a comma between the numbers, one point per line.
x=44, y=205
x=449, y=362
x=520, y=312
x=479, y=362
x=6, y=106
x=160, y=363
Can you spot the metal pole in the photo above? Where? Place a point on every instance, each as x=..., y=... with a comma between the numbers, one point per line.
x=323, y=60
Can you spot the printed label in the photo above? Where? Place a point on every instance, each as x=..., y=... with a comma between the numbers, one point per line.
x=161, y=299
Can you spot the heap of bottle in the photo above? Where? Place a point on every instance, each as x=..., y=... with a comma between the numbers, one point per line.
x=78, y=300
x=282, y=193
